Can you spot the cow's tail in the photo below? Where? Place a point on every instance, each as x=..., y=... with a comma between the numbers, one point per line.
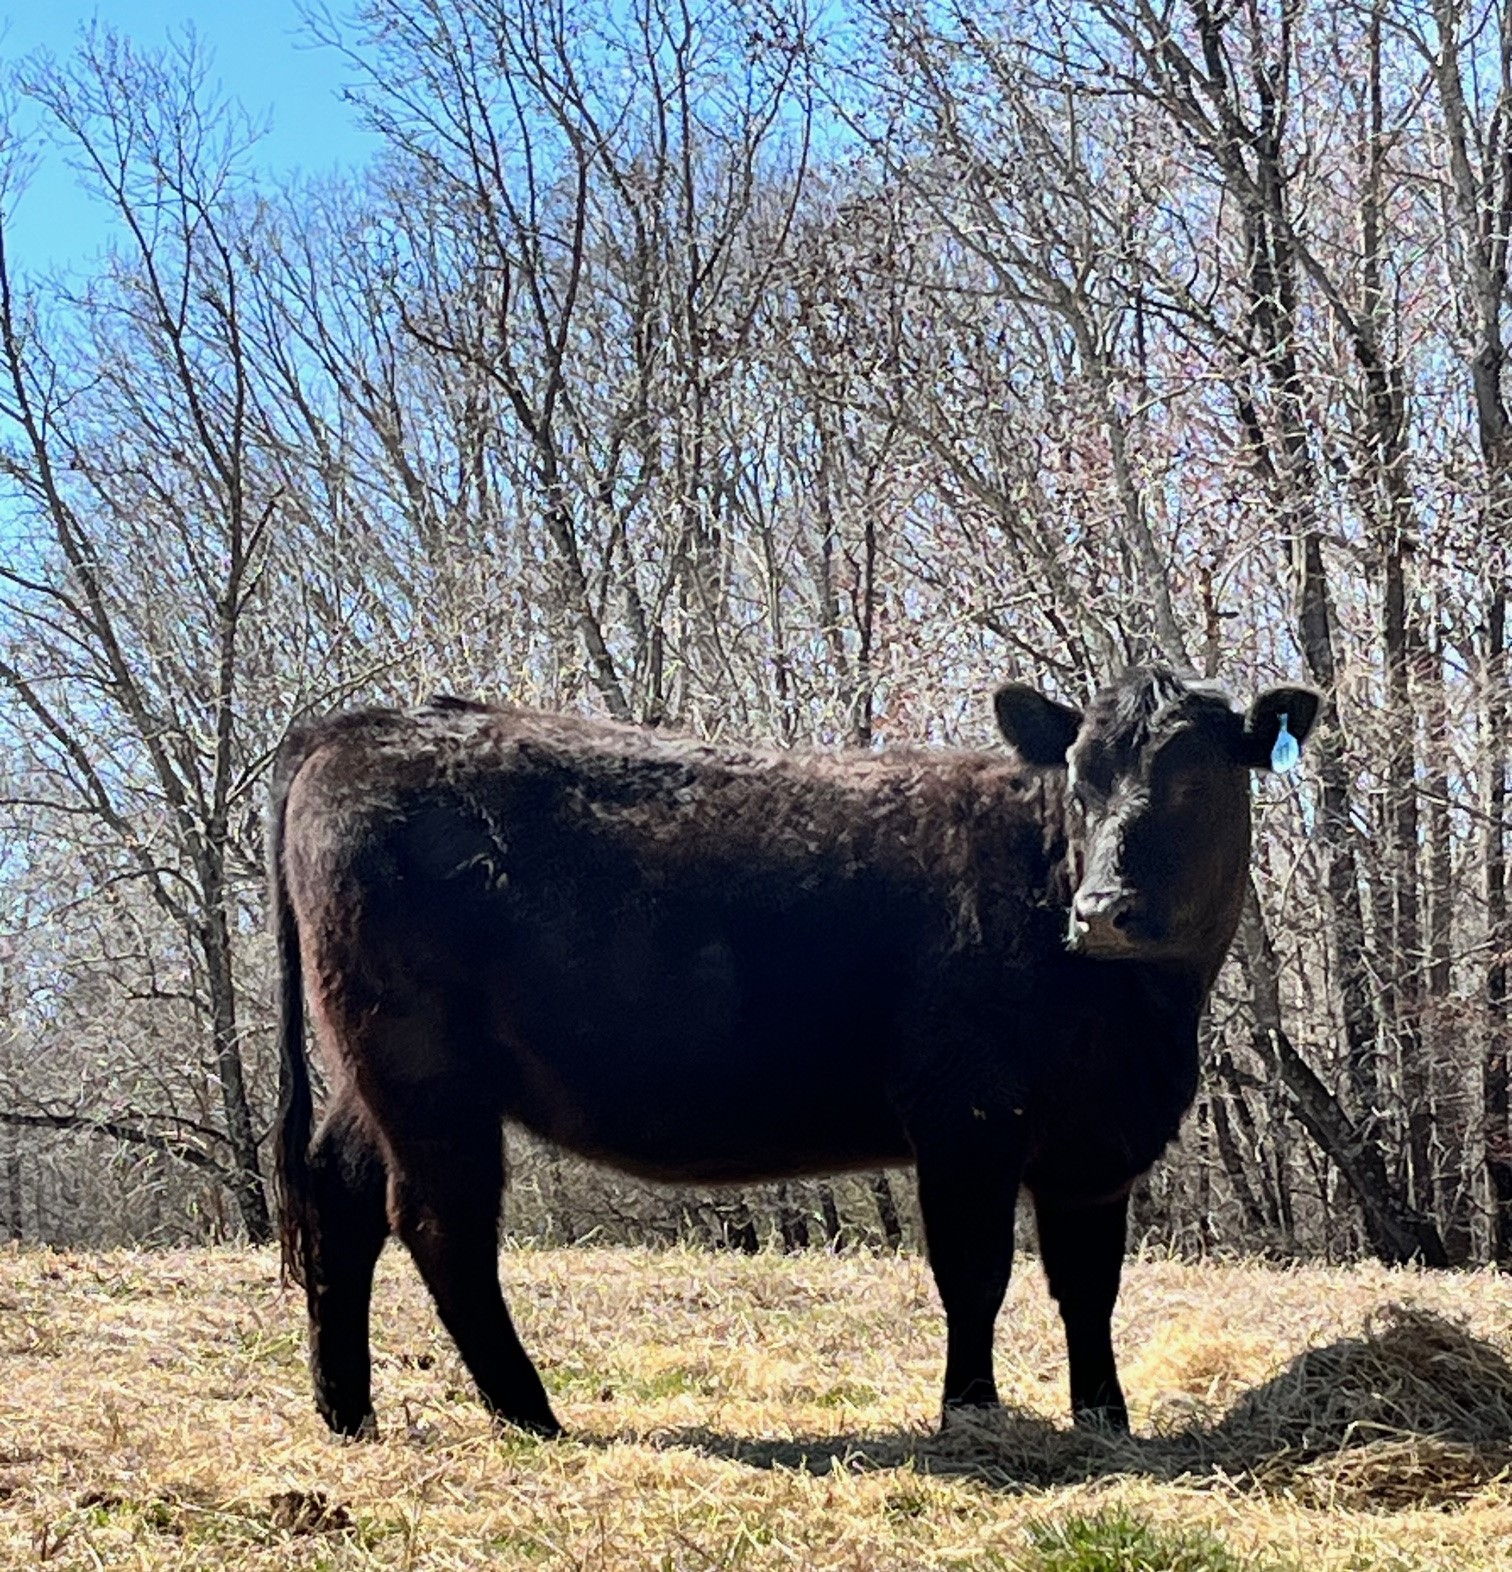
x=291, y=1151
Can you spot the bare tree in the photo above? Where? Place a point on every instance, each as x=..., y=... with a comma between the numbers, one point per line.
x=129, y=667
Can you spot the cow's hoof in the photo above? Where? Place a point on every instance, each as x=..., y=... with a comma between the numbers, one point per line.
x=1110, y=1421
x=351, y=1424
x=546, y=1429
x=958, y=1416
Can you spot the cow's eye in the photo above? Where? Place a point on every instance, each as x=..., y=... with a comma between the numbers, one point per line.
x=1183, y=790
x=1092, y=778
x=1179, y=773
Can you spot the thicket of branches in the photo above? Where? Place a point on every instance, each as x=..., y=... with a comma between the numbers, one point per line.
x=793, y=377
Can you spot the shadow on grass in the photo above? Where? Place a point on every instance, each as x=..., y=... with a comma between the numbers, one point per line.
x=1413, y=1412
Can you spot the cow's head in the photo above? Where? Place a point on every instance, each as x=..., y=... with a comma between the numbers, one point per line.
x=1157, y=804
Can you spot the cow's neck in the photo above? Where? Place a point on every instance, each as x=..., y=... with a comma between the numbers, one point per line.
x=1178, y=988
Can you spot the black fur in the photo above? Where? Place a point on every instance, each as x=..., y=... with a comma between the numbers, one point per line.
x=715, y=964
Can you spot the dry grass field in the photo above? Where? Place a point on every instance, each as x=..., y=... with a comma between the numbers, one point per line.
x=766, y=1412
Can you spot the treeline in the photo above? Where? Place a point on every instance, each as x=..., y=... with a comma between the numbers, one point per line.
x=786, y=376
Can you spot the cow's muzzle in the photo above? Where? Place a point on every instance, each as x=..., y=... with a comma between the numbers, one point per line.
x=1104, y=922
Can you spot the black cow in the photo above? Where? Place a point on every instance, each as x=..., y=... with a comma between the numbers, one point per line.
x=712, y=964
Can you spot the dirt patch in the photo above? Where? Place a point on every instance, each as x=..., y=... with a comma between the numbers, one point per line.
x=308, y=1512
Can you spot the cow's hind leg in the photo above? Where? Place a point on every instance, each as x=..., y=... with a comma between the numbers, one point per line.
x=968, y=1185
x=1083, y=1249
x=444, y=1199
x=347, y=1183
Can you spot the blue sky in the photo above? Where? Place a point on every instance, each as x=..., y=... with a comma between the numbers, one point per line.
x=260, y=58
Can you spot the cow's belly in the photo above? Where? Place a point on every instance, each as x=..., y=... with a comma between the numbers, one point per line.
x=702, y=1056
x=688, y=1094
x=702, y=1137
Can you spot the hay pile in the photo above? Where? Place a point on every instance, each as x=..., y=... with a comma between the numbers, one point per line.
x=1415, y=1411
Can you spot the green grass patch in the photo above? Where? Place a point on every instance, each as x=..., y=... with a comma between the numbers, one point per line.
x=673, y=1381
x=1118, y=1541
x=848, y=1394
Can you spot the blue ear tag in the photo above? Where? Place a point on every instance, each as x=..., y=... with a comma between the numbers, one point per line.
x=1286, y=753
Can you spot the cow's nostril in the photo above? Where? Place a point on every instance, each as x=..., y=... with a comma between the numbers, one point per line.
x=1102, y=914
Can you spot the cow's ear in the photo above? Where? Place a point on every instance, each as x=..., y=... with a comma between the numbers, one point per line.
x=1276, y=727
x=1037, y=729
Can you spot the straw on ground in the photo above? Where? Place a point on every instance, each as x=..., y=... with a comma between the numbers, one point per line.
x=755, y=1412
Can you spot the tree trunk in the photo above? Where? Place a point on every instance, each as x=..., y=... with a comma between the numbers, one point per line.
x=1257, y=1226
x=1397, y=1233
x=1385, y=486
x=15, y=1196
x=1452, y=1129
x=887, y=1211
x=1402, y=995
x=1250, y=153
x=1480, y=179
x=791, y=1222
x=834, y=1229
x=1494, y=1075
x=740, y=1229
x=247, y=1186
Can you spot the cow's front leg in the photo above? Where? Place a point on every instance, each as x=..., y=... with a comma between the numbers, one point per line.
x=968, y=1186
x=1083, y=1249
